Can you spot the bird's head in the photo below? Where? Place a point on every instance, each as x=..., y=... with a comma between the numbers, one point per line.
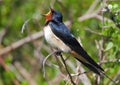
x=53, y=15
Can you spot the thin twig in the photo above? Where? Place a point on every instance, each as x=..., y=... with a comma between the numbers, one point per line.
x=103, y=41
x=2, y=34
x=82, y=74
x=115, y=78
x=92, y=7
x=97, y=33
x=67, y=69
x=24, y=25
x=101, y=47
x=101, y=62
x=109, y=61
x=44, y=61
x=78, y=74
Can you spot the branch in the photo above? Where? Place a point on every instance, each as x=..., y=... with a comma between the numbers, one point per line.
x=94, y=32
x=25, y=40
x=3, y=64
x=44, y=61
x=92, y=7
x=2, y=34
x=67, y=69
x=25, y=73
x=21, y=42
x=91, y=13
x=115, y=78
x=82, y=74
x=7, y=69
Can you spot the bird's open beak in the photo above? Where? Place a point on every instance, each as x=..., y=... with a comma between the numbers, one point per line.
x=48, y=16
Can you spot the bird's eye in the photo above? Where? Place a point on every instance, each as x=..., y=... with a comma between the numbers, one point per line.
x=52, y=11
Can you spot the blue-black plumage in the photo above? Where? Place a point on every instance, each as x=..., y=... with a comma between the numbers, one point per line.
x=59, y=36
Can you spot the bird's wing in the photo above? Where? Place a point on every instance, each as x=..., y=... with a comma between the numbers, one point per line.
x=62, y=32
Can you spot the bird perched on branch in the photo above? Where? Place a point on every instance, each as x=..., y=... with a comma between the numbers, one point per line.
x=59, y=36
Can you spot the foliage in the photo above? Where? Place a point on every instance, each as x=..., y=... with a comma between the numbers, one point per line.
x=23, y=65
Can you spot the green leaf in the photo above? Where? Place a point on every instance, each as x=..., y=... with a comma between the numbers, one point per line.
x=109, y=46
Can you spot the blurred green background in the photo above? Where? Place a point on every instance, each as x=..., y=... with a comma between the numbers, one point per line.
x=23, y=65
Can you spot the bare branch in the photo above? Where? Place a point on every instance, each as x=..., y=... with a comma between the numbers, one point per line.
x=21, y=42
x=3, y=64
x=82, y=76
x=97, y=33
x=24, y=25
x=25, y=73
x=115, y=78
x=92, y=7
x=7, y=68
x=44, y=61
x=67, y=70
x=91, y=13
x=2, y=33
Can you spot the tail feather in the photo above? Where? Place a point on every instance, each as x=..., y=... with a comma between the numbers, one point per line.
x=91, y=67
x=88, y=62
x=97, y=71
x=84, y=54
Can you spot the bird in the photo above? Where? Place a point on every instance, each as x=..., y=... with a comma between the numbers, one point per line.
x=58, y=36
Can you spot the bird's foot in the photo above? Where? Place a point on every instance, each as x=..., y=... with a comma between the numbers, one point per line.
x=58, y=52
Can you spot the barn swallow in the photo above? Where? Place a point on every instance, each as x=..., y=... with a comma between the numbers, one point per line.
x=59, y=36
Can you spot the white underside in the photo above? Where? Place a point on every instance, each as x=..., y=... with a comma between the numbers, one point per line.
x=54, y=41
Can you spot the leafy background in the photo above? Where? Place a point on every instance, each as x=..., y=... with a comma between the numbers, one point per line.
x=96, y=27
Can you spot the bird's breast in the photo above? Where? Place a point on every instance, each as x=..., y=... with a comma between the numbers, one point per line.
x=54, y=41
